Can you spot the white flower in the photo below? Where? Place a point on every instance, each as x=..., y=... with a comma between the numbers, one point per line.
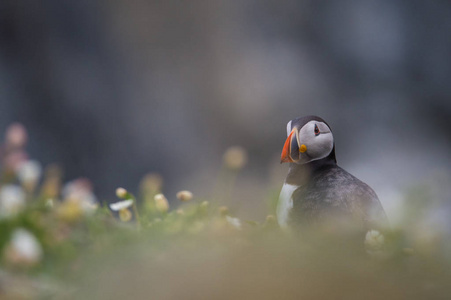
x=235, y=222
x=29, y=171
x=121, y=205
x=12, y=200
x=80, y=191
x=374, y=240
x=24, y=247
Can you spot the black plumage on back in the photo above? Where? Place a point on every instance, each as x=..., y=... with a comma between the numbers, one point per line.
x=332, y=194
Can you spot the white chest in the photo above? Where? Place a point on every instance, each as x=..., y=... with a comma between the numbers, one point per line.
x=285, y=204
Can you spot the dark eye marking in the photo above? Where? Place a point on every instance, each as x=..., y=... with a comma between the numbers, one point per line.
x=317, y=130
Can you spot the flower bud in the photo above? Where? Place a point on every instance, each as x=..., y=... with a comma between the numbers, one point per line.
x=204, y=205
x=235, y=158
x=184, y=196
x=121, y=193
x=125, y=215
x=152, y=183
x=16, y=136
x=223, y=211
x=161, y=203
x=270, y=219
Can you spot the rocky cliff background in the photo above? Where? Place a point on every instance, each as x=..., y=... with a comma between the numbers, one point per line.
x=113, y=90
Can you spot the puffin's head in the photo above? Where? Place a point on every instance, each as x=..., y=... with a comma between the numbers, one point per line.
x=309, y=139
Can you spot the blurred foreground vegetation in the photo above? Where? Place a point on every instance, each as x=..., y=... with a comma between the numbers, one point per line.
x=58, y=241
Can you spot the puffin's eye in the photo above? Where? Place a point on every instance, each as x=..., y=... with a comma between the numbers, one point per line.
x=316, y=130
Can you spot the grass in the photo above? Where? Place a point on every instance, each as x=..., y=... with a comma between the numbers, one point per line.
x=143, y=248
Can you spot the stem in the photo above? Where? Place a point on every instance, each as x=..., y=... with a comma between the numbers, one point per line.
x=135, y=211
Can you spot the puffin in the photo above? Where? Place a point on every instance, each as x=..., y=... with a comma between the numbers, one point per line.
x=316, y=190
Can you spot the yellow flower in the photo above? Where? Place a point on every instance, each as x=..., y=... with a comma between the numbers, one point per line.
x=70, y=211
x=80, y=191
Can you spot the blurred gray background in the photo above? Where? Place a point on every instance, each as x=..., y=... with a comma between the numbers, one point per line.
x=115, y=89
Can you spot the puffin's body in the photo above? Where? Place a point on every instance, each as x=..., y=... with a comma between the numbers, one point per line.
x=316, y=189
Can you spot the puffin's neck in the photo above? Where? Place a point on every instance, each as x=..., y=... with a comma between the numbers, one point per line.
x=301, y=174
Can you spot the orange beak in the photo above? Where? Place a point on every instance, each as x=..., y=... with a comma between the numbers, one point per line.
x=290, y=152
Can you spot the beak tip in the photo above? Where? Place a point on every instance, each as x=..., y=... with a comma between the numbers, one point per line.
x=285, y=160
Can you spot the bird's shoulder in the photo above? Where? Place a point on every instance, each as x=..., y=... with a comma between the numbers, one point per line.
x=337, y=182
x=335, y=188
x=358, y=196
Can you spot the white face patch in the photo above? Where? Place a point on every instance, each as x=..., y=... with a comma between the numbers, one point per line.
x=318, y=139
x=288, y=128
